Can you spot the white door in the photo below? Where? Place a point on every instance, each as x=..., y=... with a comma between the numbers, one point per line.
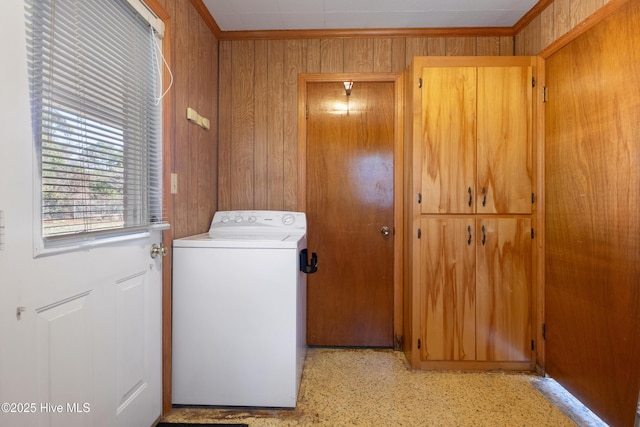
x=80, y=332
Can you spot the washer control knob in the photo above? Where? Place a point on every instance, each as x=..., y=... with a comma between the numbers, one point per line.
x=238, y=219
x=288, y=219
x=252, y=219
x=225, y=219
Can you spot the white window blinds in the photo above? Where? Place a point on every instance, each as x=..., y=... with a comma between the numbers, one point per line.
x=96, y=117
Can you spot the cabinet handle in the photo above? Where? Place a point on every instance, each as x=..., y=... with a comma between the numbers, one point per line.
x=484, y=235
x=470, y=197
x=484, y=197
x=469, y=230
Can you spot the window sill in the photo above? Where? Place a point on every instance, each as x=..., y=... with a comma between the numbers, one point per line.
x=44, y=248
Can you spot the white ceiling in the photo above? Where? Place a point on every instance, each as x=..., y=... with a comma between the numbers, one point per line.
x=256, y=15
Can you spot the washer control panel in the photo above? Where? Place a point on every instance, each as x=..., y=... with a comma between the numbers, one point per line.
x=259, y=221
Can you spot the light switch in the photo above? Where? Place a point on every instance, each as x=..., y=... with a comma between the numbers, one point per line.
x=174, y=183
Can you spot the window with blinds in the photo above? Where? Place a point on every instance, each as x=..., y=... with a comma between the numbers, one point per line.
x=94, y=83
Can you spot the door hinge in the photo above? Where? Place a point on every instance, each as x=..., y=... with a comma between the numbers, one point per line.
x=419, y=233
x=306, y=113
x=533, y=198
x=533, y=345
x=420, y=82
x=419, y=198
x=544, y=331
x=533, y=234
x=533, y=82
x=419, y=343
x=544, y=94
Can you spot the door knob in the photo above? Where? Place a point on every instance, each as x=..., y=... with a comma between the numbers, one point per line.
x=158, y=250
x=385, y=231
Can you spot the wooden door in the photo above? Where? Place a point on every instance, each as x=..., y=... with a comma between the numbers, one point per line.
x=349, y=201
x=505, y=126
x=449, y=138
x=448, y=288
x=592, y=263
x=503, y=289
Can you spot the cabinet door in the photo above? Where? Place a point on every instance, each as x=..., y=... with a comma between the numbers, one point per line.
x=448, y=296
x=504, y=140
x=448, y=140
x=503, y=289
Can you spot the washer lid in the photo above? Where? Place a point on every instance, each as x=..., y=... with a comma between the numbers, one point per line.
x=277, y=240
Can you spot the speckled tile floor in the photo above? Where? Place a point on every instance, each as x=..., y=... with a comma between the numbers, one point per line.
x=367, y=387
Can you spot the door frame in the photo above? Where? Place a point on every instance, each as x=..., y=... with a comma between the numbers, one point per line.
x=398, y=167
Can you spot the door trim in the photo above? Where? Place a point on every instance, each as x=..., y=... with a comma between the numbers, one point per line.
x=398, y=167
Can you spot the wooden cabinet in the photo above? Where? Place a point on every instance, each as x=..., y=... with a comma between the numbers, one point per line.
x=469, y=125
x=476, y=141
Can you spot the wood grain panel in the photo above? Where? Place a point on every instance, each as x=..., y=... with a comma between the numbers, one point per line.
x=503, y=289
x=488, y=46
x=581, y=9
x=313, y=56
x=261, y=150
x=224, y=127
x=275, y=102
x=382, y=54
x=331, y=56
x=437, y=46
x=242, y=124
x=593, y=216
x=448, y=291
x=449, y=138
x=461, y=46
x=415, y=46
x=295, y=64
x=398, y=55
x=358, y=55
x=505, y=127
x=562, y=17
x=182, y=147
x=506, y=46
x=547, y=27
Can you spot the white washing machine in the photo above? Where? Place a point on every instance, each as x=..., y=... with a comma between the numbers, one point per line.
x=239, y=310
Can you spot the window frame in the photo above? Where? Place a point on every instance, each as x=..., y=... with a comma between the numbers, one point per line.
x=76, y=241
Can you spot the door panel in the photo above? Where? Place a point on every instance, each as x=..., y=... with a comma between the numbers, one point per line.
x=592, y=262
x=448, y=290
x=503, y=289
x=504, y=140
x=349, y=200
x=449, y=138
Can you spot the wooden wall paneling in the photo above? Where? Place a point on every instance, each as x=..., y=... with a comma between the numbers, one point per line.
x=488, y=46
x=461, y=46
x=295, y=60
x=358, y=55
x=506, y=46
x=593, y=216
x=561, y=17
x=275, y=114
x=202, y=151
x=242, y=124
x=415, y=46
x=382, y=54
x=182, y=152
x=224, y=126
x=313, y=56
x=398, y=55
x=331, y=55
x=581, y=9
x=437, y=46
x=528, y=41
x=261, y=161
x=547, y=25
